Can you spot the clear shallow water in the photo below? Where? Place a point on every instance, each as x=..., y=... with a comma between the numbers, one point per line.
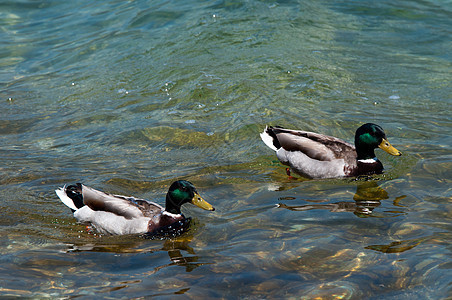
x=129, y=96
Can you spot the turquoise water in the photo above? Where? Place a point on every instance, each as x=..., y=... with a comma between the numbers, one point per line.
x=128, y=96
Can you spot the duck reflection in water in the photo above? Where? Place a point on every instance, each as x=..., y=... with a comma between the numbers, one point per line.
x=178, y=248
x=366, y=199
x=174, y=248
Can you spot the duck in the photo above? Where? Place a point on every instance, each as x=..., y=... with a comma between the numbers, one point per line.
x=121, y=215
x=316, y=156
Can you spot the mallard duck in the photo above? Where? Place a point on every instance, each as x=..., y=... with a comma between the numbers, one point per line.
x=118, y=215
x=315, y=155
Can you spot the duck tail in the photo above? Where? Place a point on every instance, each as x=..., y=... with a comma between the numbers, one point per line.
x=71, y=196
x=270, y=139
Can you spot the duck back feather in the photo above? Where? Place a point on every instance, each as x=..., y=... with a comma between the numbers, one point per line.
x=128, y=207
x=316, y=146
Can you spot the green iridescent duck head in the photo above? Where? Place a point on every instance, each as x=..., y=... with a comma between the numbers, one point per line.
x=181, y=192
x=370, y=136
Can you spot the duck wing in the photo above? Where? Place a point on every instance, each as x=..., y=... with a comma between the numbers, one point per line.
x=128, y=207
x=317, y=146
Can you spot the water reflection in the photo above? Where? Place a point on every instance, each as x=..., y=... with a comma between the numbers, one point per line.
x=178, y=249
x=396, y=247
x=367, y=197
x=174, y=248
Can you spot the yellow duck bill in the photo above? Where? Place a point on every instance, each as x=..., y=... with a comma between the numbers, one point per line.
x=201, y=203
x=386, y=146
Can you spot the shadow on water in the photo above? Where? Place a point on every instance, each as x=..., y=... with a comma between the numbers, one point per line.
x=178, y=248
x=179, y=251
x=396, y=247
x=112, y=263
x=367, y=197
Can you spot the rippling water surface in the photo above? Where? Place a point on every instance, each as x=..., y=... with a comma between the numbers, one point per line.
x=127, y=96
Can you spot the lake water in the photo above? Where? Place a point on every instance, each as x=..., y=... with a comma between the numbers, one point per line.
x=128, y=96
